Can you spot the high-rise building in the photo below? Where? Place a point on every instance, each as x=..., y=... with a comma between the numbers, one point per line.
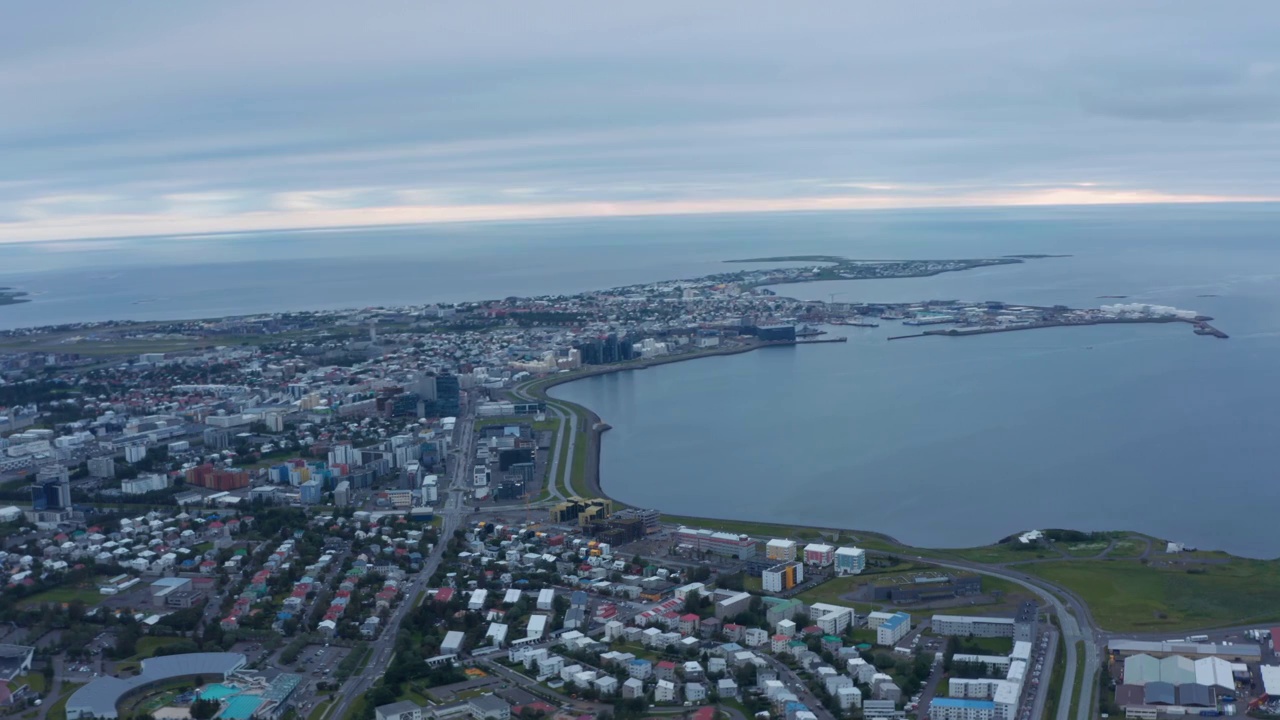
x=312, y=492
x=52, y=489
x=448, y=396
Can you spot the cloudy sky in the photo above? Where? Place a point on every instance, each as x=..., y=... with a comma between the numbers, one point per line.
x=129, y=118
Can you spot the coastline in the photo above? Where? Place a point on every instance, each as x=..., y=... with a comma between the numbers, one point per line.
x=595, y=427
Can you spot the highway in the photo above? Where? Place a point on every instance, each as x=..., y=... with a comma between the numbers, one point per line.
x=1069, y=615
x=451, y=513
x=560, y=479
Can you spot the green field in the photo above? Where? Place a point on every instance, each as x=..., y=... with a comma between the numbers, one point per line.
x=148, y=646
x=89, y=596
x=1132, y=597
x=35, y=680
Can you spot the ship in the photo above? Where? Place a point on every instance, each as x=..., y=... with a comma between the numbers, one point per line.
x=809, y=331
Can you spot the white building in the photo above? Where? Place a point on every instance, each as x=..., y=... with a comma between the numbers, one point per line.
x=972, y=626
x=781, y=550
x=819, y=554
x=890, y=631
x=833, y=619
x=665, y=691
x=850, y=560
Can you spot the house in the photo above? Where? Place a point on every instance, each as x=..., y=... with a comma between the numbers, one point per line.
x=665, y=691
x=755, y=637
x=665, y=670
x=849, y=696
x=403, y=710
x=727, y=688
x=708, y=627
x=606, y=685
x=640, y=669
x=633, y=688
x=695, y=692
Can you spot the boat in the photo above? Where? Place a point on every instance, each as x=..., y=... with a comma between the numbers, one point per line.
x=809, y=331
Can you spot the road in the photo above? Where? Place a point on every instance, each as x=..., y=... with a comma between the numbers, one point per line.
x=1070, y=616
x=452, y=512
x=560, y=479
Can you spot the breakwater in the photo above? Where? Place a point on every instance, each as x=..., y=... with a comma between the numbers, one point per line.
x=1201, y=327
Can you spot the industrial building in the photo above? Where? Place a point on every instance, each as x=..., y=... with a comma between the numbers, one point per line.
x=1250, y=653
x=925, y=589
x=782, y=577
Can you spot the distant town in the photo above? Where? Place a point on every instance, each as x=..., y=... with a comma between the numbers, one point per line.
x=379, y=514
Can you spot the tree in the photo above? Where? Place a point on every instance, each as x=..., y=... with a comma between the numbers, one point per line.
x=203, y=709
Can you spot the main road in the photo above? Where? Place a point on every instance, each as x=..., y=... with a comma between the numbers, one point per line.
x=451, y=513
x=1073, y=617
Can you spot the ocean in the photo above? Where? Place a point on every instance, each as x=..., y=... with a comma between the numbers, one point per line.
x=942, y=442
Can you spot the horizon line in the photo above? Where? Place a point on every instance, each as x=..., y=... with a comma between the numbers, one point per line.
x=135, y=226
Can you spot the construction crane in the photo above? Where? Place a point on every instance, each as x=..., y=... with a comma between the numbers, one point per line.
x=831, y=297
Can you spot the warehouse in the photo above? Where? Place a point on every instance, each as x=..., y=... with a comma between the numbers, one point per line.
x=1226, y=651
x=1177, y=670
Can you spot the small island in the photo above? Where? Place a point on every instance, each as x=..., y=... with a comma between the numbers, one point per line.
x=9, y=296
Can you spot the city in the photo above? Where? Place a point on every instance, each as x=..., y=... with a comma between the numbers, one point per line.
x=379, y=513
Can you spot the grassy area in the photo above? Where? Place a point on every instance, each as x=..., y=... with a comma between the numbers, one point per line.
x=1133, y=597
x=995, y=554
x=1056, y=678
x=989, y=645
x=58, y=711
x=578, y=471
x=148, y=646
x=62, y=595
x=1131, y=548
x=752, y=584
x=1083, y=550
x=34, y=680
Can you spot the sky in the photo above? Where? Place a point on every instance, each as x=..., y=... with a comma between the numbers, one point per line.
x=139, y=118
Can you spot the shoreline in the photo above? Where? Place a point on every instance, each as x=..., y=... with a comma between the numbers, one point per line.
x=538, y=388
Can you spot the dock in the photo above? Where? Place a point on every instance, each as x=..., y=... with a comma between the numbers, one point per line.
x=823, y=340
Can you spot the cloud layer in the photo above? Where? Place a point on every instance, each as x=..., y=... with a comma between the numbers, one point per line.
x=145, y=118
